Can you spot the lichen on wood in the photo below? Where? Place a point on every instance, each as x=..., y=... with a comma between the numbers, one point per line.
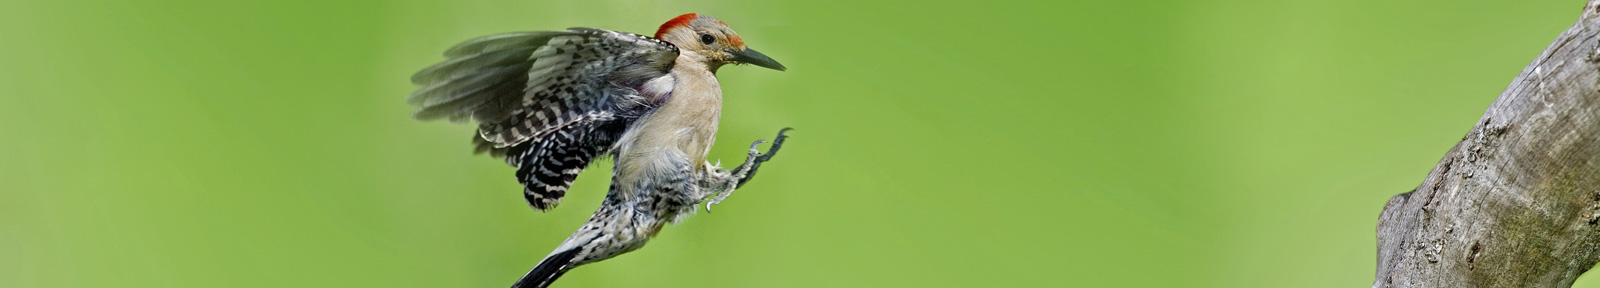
x=1517, y=202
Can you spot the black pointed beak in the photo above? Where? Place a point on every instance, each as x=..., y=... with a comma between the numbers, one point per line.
x=752, y=57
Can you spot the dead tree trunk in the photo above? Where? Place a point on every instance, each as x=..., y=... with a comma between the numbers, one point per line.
x=1517, y=202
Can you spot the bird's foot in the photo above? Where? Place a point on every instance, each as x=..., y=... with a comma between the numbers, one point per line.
x=746, y=171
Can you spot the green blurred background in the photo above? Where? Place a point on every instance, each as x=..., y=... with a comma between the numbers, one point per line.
x=1222, y=143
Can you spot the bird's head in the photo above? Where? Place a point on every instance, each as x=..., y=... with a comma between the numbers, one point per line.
x=710, y=38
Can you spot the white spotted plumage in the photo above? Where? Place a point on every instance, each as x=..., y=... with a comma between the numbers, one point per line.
x=551, y=102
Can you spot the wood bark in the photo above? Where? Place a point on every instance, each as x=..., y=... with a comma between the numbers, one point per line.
x=1517, y=202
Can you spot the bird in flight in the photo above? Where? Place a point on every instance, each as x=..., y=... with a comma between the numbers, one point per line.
x=551, y=102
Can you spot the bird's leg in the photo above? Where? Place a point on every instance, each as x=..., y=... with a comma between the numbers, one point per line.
x=727, y=181
x=724, y=182
x=747, y=171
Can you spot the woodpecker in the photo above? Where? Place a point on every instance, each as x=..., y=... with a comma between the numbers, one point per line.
x=551, y=102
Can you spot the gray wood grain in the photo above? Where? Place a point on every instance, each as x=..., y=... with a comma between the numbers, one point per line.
x=1517, y=202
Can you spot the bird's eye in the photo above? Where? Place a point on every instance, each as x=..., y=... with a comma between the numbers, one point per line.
x=706, y=38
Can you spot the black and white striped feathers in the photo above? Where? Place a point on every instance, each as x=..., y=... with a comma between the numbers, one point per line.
x=550, y=102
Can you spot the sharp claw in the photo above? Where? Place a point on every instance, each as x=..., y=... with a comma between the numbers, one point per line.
x=776, y=143
x=748, y=169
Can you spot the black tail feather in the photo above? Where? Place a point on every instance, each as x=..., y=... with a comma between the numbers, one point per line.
x=548, y=270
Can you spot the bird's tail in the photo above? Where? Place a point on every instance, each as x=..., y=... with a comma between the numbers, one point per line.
x=589, y=244
x=548, y=270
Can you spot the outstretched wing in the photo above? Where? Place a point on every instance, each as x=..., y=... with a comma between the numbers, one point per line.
x=549, y=102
